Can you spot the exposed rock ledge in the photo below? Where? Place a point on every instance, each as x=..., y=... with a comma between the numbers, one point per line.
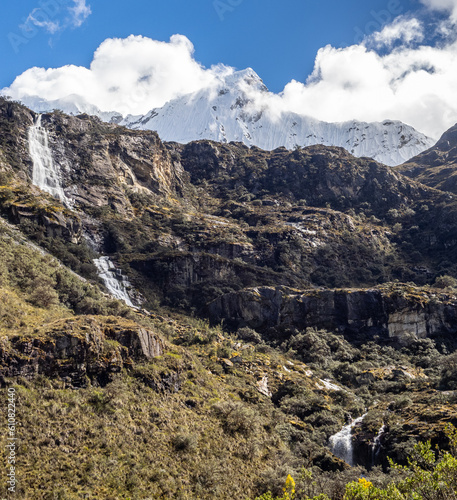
x=79, y=349
x=399, y=311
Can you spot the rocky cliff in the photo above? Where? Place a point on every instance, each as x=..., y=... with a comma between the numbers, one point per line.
x=437, y=166
x=100, y=165
x=317, y=174
x=103, y=163
x=79, y=350
x=396, y=312
x=206, y=218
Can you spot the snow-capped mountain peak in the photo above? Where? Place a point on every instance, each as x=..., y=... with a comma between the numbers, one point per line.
x=247, y=77
x=238, y=107
x=72, y=105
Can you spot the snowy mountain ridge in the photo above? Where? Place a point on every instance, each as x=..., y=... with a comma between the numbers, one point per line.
x=240, y=108
x=71, y=105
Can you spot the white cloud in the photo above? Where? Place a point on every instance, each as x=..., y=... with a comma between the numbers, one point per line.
x=408, y=80
x=442, y=5
x=40, y=19
x=131, y=75
x=392, y=74
x=53, y=18
x=402, y=30
x=416, y=86
x=80, y=12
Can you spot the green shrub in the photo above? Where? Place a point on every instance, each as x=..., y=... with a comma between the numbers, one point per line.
x=249, y=335
x=445, y=281
x=237, y=417
x=428, y=476
x=184, y=442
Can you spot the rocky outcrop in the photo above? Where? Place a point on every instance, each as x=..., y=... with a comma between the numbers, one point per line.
x=140, y=342
x=318, y=174
x=15, y=121
x=101, y=163
x=436, y=167
x=198, y=276
x=391, y=311
x=56, y=223
x=79, y=349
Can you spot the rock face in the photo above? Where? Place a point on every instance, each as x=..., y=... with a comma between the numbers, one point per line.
x=99, y=164
x=102, y=163
x=190, y=272
x=140, y=342
x=396, y=312
x=318, y=174
x=415, y=323
x=15, y=121
x=79, y=349
x=436, y=167
x=56, y=223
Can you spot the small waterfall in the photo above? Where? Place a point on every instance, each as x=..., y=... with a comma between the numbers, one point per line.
x=341, y=443
x=46, y=174
x=114, y=281
x=376, y=448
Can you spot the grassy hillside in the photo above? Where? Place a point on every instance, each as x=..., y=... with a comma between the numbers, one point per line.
x=193, y=422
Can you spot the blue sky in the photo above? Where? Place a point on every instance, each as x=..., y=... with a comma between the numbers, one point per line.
x=332, y=60
x=278, y=39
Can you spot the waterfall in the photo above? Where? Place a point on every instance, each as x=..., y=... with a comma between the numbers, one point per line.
x=114, y=281
x=341, y=443
x=46, y=174
x=376, y=448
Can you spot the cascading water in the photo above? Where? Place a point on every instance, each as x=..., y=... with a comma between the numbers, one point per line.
x=46, y=174
x=114, y=281
x=376, y=448
x=341, y=443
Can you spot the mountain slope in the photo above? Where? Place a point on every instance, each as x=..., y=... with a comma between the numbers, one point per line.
x=189, y=222
x=71, y=105
x=436, y=167
x=117, y=402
